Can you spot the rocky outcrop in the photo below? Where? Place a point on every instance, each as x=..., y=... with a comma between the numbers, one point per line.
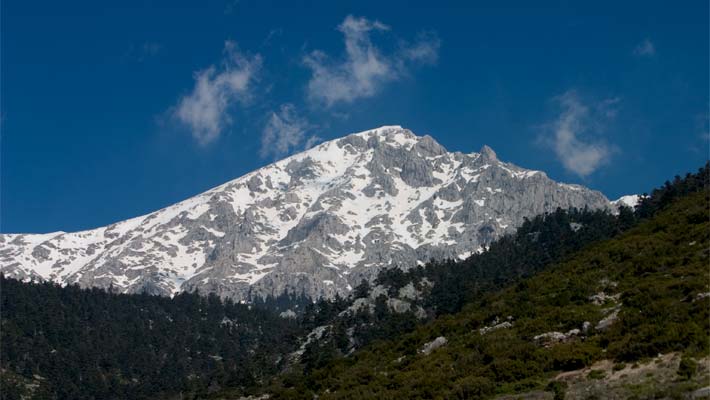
x=497, y=324
x=433, y=345
x=548, y=339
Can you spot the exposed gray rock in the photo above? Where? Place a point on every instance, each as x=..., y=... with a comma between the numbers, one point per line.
x=502, y=325
x=601, y=298
x=497, y=324
x=288, y=314
x=409, y=292
x=433, y=345
x=585, y=326
x=548, y=339
x=398, y=305
x=607, y=321
x=701, y=393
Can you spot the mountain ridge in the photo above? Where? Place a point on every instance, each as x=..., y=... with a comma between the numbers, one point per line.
x=316, y=222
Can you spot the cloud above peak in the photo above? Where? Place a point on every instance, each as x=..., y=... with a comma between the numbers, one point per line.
x=364, y=68
x=285, y=132
x=205, y=110
x=425, y=50
x=571, y=133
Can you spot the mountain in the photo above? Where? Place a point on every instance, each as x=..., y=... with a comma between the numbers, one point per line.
x=577, y=303
x=316, y=223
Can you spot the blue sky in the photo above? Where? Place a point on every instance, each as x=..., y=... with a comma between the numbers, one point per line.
x=113, y=111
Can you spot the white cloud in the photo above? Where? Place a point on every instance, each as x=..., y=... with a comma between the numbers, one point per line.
x=285, y=132
x=569, y=133
x=365, y=68
x=645, y=48
x=425, y=50
x=205, y=110
x=312, y=141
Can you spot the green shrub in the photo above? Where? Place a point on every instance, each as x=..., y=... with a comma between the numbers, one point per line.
x=571, y=356
x=687, y=368
x=558, y=388
x=472, y=387
x=596, y=374
x=619, y=366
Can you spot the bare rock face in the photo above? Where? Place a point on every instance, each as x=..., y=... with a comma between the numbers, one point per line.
x=433, y=345
x=317, y=222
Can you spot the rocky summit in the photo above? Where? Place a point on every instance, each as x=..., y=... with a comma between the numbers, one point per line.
x=316, y=223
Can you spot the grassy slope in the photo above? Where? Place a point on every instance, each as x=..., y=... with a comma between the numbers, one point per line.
x=658, y=269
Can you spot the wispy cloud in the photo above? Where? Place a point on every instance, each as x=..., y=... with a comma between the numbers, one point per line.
x=365, y=67
x=273, y=34
x=285, y=132
x=205, y=110
x=312, y=141
x=645, y=49
x=570, y=133
x=425, y=50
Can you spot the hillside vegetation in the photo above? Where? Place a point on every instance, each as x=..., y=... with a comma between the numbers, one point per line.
x=71, y=343
x=624, y=299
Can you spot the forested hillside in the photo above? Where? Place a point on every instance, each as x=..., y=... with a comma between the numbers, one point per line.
x=625, y=299
x=71, y=343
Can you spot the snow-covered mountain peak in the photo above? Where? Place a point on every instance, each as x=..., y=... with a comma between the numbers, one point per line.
x=392, y=135
x=630, y=200
x=316, y=222
x=384, y=131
